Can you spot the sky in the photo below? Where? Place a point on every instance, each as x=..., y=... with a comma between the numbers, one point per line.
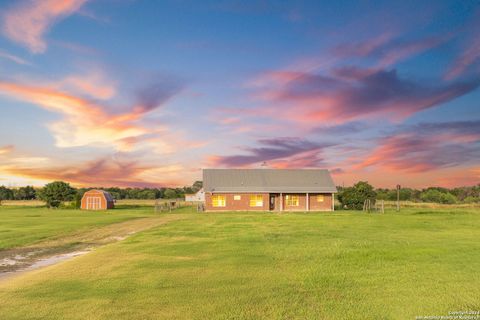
x=147, y=93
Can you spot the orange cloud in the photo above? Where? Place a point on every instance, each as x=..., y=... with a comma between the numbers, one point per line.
x=93, y=84
x=6, y=149
x=83, y=122
x=27, y=22
x=101, y=172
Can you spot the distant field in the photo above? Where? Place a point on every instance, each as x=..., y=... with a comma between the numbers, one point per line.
x=342, y=265
x=411, y=204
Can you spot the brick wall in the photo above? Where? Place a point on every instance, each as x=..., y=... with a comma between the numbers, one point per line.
x=243, y=204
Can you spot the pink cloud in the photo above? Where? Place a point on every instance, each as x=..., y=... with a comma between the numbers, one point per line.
x=28, y=21
x=387, y=50
x=427, y=147
x=352, y=94
x=277, y=152
x=466, y=59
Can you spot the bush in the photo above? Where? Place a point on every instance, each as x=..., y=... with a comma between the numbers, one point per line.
x=471, y=199
x=437, y=196
x=354, y=197
x=56, y=192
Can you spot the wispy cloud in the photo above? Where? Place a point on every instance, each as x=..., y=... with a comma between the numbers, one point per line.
x=427, y=146
x=93, y=84
x=13, y=58
x=277, y=152
x=355, y=94
x=28, y=21
x=387, y=50
x=466, y=59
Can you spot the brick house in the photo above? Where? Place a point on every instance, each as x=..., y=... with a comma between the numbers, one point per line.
x=268, y=190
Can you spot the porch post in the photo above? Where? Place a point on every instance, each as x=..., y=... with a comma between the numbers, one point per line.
x=281, y=201
x=308, y=201
x=333, y=201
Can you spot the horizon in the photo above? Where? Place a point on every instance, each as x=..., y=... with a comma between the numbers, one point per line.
x=146, y=94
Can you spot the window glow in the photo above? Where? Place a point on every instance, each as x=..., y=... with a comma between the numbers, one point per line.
x=218, y=200
x=256, y=200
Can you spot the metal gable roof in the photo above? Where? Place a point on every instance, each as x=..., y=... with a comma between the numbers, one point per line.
x=268, y=180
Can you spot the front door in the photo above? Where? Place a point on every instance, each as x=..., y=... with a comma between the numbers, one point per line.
x=93, y=203
x=272, y=202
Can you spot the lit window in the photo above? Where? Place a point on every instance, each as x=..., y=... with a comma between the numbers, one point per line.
x=320, y=198
x=256, y=200
x=292, y=200
x=218, y=201
x=237, y=197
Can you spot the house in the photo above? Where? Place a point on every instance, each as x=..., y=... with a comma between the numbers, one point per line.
x=268, y=190
x=97, y=200
x=195, y=197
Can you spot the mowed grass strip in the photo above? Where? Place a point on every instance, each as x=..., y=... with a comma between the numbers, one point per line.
x=22, y=226
x=265, y=266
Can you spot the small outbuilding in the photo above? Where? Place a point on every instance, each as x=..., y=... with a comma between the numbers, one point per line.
x=97, y=200
x=195, y=197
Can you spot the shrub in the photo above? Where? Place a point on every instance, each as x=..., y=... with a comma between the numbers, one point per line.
x=354, y=197
x=436, y=195
x=471, y=199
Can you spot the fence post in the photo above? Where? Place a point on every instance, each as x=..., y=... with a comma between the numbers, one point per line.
x=398, y=197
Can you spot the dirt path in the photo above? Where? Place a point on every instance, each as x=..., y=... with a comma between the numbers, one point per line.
x=49, y=252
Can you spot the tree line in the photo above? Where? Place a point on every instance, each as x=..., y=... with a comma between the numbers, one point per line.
x=64, y=192
x=354, y=197
x=350, y=197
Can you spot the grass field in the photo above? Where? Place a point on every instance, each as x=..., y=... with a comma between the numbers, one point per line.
x=342, y=265
x=21, y=226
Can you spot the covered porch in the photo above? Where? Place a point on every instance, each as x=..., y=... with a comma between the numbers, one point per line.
x=301, y=201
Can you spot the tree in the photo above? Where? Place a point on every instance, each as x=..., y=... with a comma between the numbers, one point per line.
x=56, y=192
x=5, y=194
x=197, y=185
x=354, y=197
x=170, y=194
x=25, y=193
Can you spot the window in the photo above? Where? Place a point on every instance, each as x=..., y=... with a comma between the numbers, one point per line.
x=292, y=200
x=218, y=200
x=256, y=200
x=237, y=197
x=320, y=198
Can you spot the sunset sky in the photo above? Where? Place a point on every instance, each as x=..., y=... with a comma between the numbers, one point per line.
x=146, y=93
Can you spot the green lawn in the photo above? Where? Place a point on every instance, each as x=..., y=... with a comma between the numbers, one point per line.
x=265, y=266
x=21, y=226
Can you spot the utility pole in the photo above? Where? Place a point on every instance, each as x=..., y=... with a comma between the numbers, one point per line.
x=398, y=197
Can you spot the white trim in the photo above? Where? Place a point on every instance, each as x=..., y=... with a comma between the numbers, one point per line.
x=94, y=202
x=308, y=201
x=333, y=201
